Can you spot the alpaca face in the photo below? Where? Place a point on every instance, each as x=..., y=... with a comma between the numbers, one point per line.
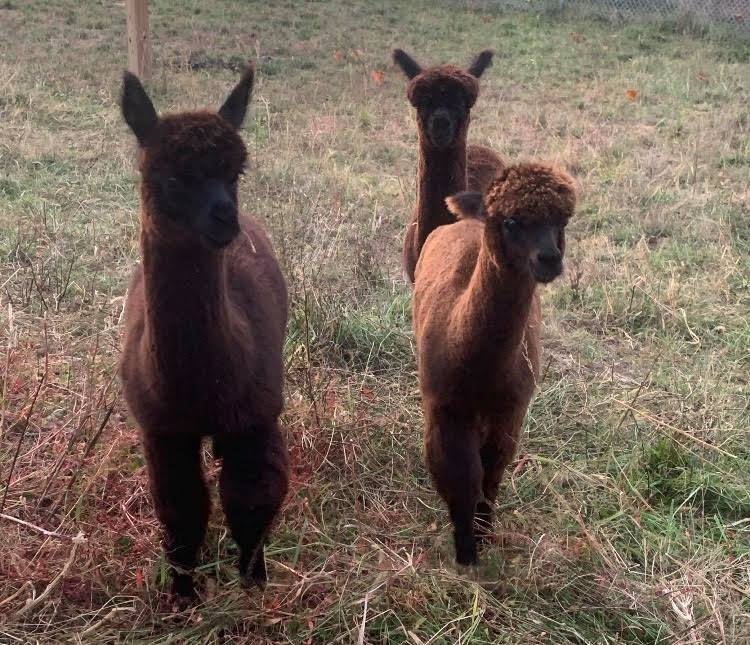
x=442, y=96
x=190, y=163
x=526, y=209
x=528, y=243
x=443, y=111
x=191, y=175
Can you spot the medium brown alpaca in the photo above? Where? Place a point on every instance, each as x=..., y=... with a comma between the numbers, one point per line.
x=204, y=326
x=443, y=97
x=476, y=323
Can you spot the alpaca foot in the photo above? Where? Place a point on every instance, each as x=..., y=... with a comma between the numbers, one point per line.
x=254, y=575
x=183, y=587
x=466, y=551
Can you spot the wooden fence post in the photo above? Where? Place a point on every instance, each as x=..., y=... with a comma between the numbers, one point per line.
x=139, y=40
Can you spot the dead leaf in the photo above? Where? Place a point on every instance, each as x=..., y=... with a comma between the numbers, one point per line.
x=377, y=76
x=632, y=94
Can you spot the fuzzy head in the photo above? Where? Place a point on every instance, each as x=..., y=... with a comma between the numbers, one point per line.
x=190, y=162
x=526, y=209
x=442, y=95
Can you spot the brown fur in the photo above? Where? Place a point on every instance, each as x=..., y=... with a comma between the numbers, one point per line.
x=443, y=171
x=202, y=355
x=476, y=322
x=482, y=165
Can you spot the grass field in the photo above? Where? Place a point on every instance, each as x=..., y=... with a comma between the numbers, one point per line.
x=626, y=516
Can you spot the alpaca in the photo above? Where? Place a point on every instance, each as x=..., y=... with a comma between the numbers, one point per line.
x=443, y=97
x=476, y=323
x=204, y=325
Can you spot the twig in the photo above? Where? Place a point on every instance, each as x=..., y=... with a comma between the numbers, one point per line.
x=35, y=527
x=6, y=375
x=28, y=417
x=89, y=447
x=33, y=603
x=104, y=619
x=361, y=635
x=5, y=601
x=638, y=391
x=308, y=366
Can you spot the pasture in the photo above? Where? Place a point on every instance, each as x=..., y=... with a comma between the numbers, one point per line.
x=626, y=515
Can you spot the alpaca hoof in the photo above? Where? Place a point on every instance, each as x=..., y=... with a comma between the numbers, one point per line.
x=256, y=575
x=466, y=553
x=467, y=560
x=183, y=587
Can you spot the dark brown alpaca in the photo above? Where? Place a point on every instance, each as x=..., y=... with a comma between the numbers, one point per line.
x=476, y=323
x=204, y=326
x=443, y=97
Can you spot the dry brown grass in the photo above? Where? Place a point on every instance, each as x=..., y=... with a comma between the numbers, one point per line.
x=625, y=517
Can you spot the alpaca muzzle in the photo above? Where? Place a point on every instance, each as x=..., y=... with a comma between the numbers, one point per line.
x=441, y=128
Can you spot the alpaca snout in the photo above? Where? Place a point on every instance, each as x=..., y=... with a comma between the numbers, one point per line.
x=223, y=225
x=224, y=213
x=547, y=265
x=441, y=127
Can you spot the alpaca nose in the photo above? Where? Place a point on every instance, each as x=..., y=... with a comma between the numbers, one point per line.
x=224, y=212
x=549, y=256
x=441, y=123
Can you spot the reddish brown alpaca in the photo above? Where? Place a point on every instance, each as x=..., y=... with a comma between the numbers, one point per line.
x=443, y=97
x=204, y=326
x=476, y=322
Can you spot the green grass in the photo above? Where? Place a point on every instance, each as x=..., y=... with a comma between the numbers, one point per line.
x=625, y=516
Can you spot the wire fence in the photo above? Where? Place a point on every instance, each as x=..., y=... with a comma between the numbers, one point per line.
x=734, y=14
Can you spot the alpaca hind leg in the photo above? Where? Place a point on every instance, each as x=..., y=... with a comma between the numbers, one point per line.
x=181, y=501
x=453, y=459
x=253, y=483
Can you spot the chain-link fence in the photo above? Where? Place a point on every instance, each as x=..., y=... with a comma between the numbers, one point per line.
x=730, y=13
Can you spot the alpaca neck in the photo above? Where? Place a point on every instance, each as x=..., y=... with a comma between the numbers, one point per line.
x=495, y=307
x=442, y=172
x=186, y=306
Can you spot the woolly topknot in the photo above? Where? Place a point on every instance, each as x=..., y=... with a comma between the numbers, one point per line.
x=530, y=188
x=448, y=76
x=200, y=143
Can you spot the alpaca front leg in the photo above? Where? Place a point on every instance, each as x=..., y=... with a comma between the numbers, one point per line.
x=253, y=484
x=492, y=467
x=181, y=502
x=497, y=452
x=453, y=460
x=464, y=539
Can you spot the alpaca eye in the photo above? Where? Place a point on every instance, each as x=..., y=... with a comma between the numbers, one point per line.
x=511, y=225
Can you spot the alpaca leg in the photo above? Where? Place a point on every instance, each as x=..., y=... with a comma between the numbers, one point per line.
x=490, y=485
x=453, y=459
x=254, y=481
x=496, y=455
x=181, y=501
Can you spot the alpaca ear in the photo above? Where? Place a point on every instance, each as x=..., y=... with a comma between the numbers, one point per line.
x=408, y=65
x=235, y=107
x=466, y=205
x=137, y=109
x=481, y=63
